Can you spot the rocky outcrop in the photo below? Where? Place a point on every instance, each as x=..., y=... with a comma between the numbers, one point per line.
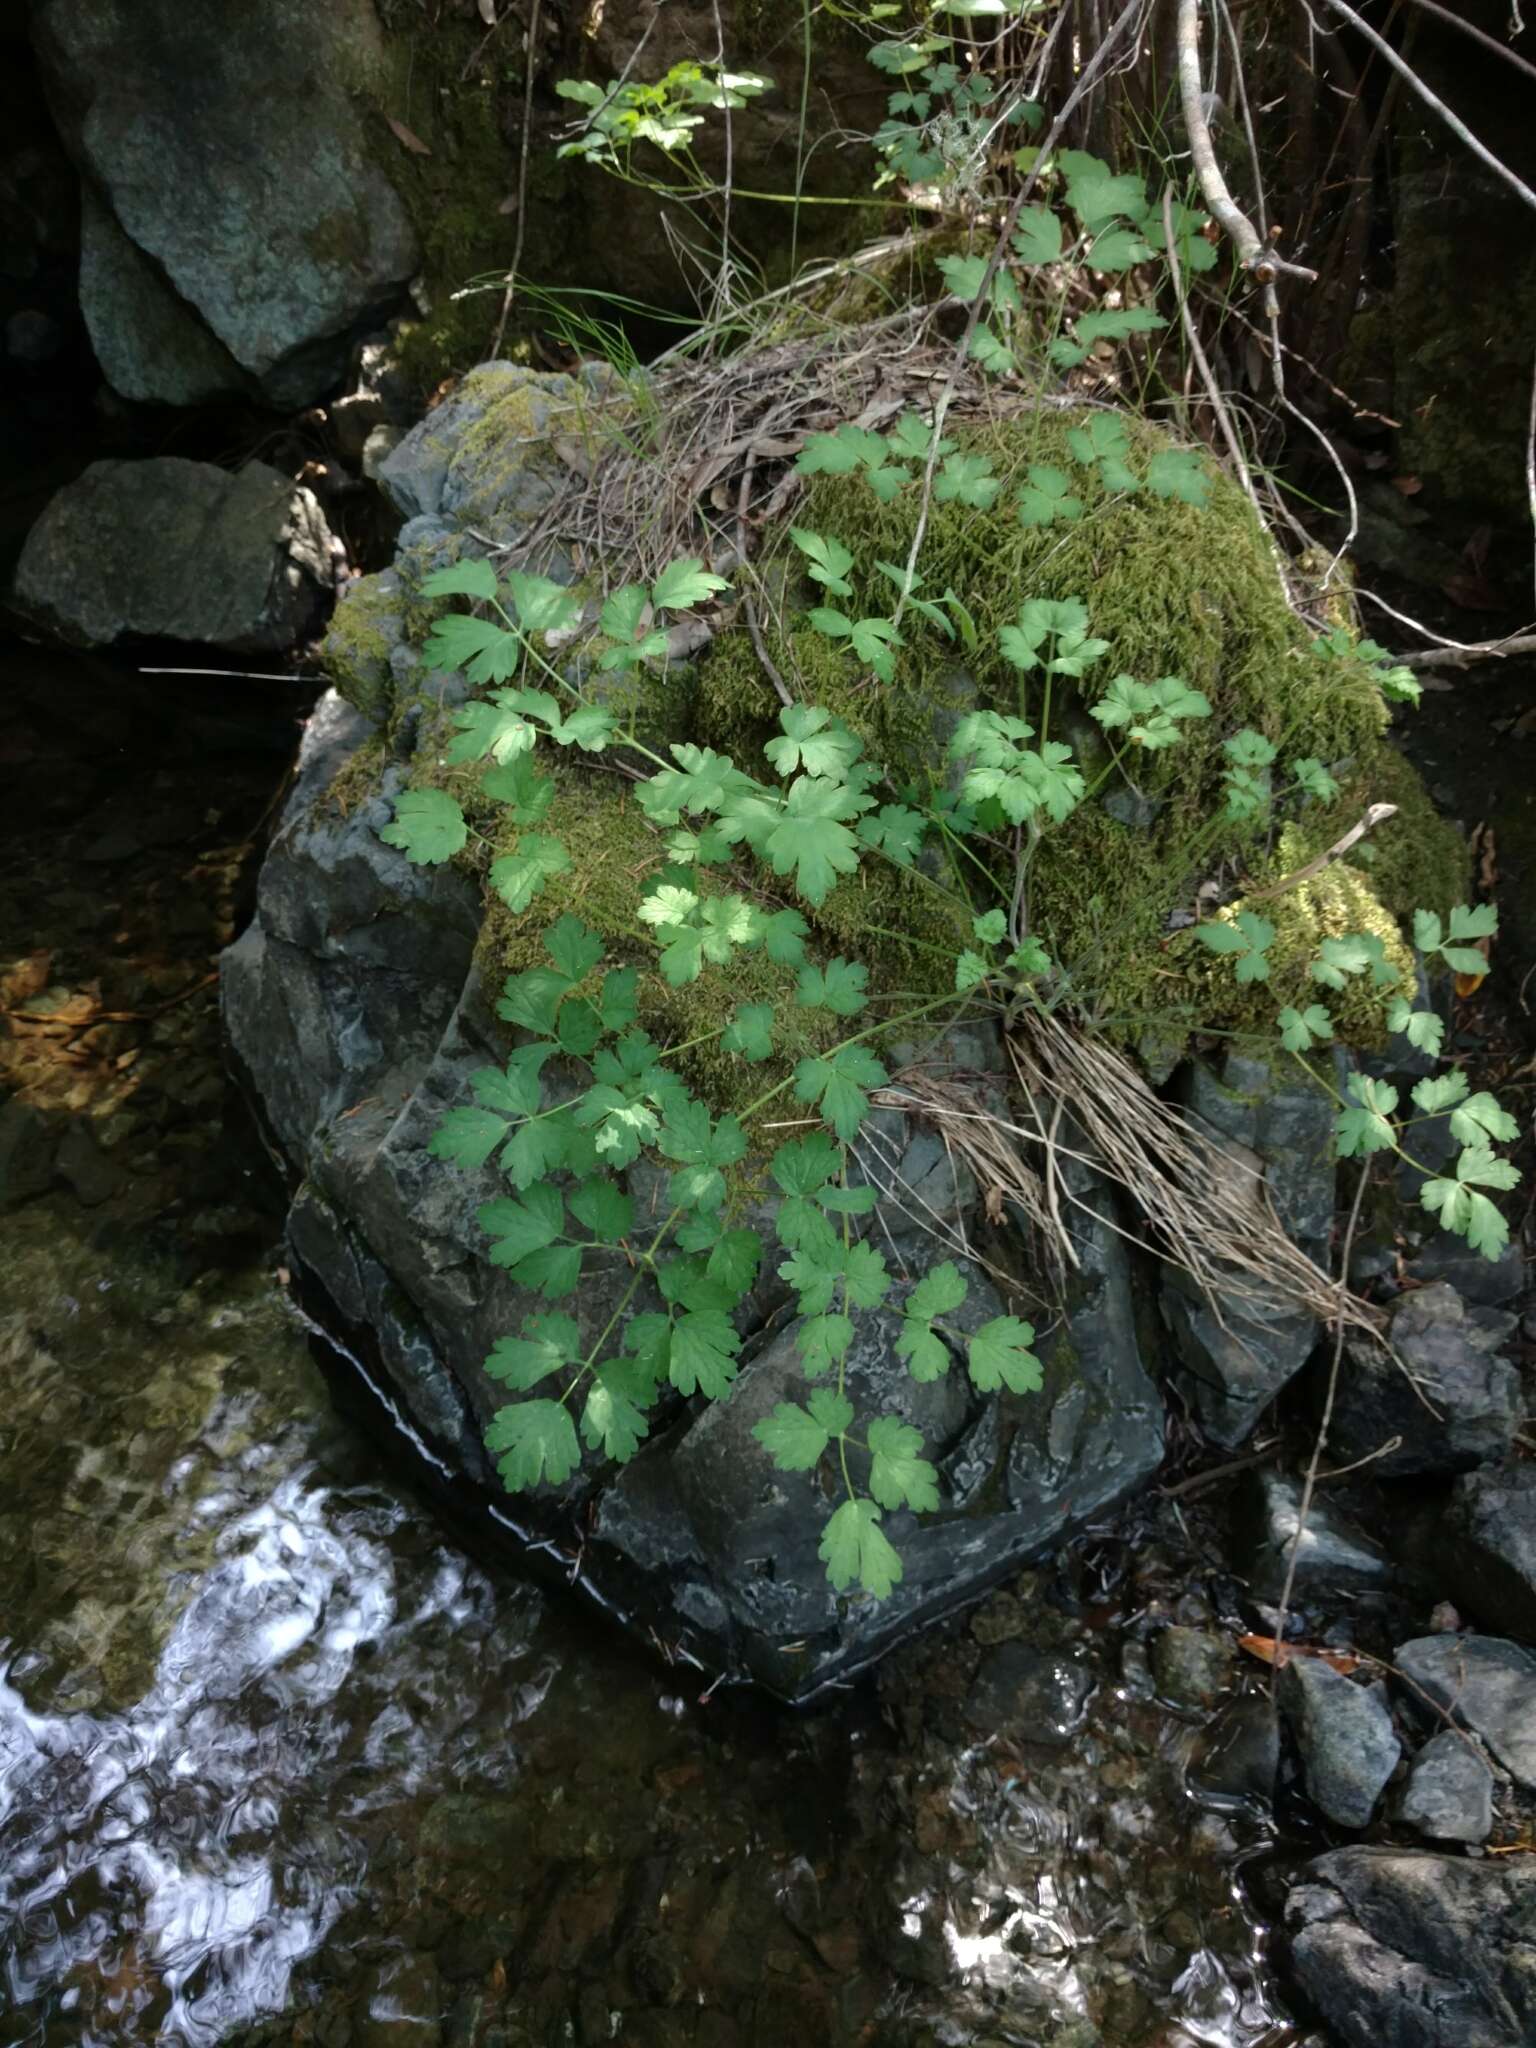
x=241, y=229
x=359, y=1004
x=176, y=550
x=364, y=999
x=356, y=1010
x=1398, y=1949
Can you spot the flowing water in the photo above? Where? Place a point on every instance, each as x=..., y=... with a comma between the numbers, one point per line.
x=281, y=1762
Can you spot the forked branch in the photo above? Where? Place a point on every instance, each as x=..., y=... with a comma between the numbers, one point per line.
x=1254, y=253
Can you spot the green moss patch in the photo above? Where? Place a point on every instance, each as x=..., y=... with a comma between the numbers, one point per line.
x=1176, y=589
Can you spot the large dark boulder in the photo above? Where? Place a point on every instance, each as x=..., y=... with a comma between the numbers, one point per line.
x=356, y=1012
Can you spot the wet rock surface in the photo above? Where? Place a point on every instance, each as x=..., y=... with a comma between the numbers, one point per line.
x=1449, y=1794
x=168, y=549
x=1327, y=1553
x=1344, y=1731
x=1408, y=1950
x=1490, y=1533
x=1487, y=1685
x=1445, y=1397
x=1277, y=1133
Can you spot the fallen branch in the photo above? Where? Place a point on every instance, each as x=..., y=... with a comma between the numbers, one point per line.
x=530, y=65
x=1480, y=35
x=1460, y=656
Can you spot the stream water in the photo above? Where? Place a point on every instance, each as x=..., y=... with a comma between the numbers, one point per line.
x=280, y=1762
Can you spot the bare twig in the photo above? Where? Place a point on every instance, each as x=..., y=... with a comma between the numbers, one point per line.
x=1253, y=251
x=239, y=675
x=759, y=646
x=1202, y=364
x=1315, y=1464
x=979, y=303
x=1376, y=814
x=1452, y=121
x=722, y=294
x=1452, y=655
x=1480, y=35
x=522, y=181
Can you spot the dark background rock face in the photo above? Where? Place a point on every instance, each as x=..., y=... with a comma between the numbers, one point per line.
x=244, y=209
x=177, y=550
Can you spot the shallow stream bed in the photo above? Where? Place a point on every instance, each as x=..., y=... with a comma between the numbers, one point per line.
x=281, y=1762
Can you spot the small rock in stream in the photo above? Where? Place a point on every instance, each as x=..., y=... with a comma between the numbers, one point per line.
x=1031, y=1694
x=1238, y=1755
x=1348, y=1745
x=1449, y=1795
x=1192, y=1669
x=1330, y=1552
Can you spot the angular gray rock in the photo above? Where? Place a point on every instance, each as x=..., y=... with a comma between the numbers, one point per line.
x=1449, y=1794
x=1330, y=1551
x=1277, y=1132
x=483, y=456
x=1488, y=1547
x=177, y=550
x=150, y=343
x=1453, y=1355
x=231, y=143
x=1488, y=1685
x=1397, y=1948
x=1348, y=1745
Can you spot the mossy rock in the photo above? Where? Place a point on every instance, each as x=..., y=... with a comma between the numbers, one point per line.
x=1175, y=588
x=365, y=629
